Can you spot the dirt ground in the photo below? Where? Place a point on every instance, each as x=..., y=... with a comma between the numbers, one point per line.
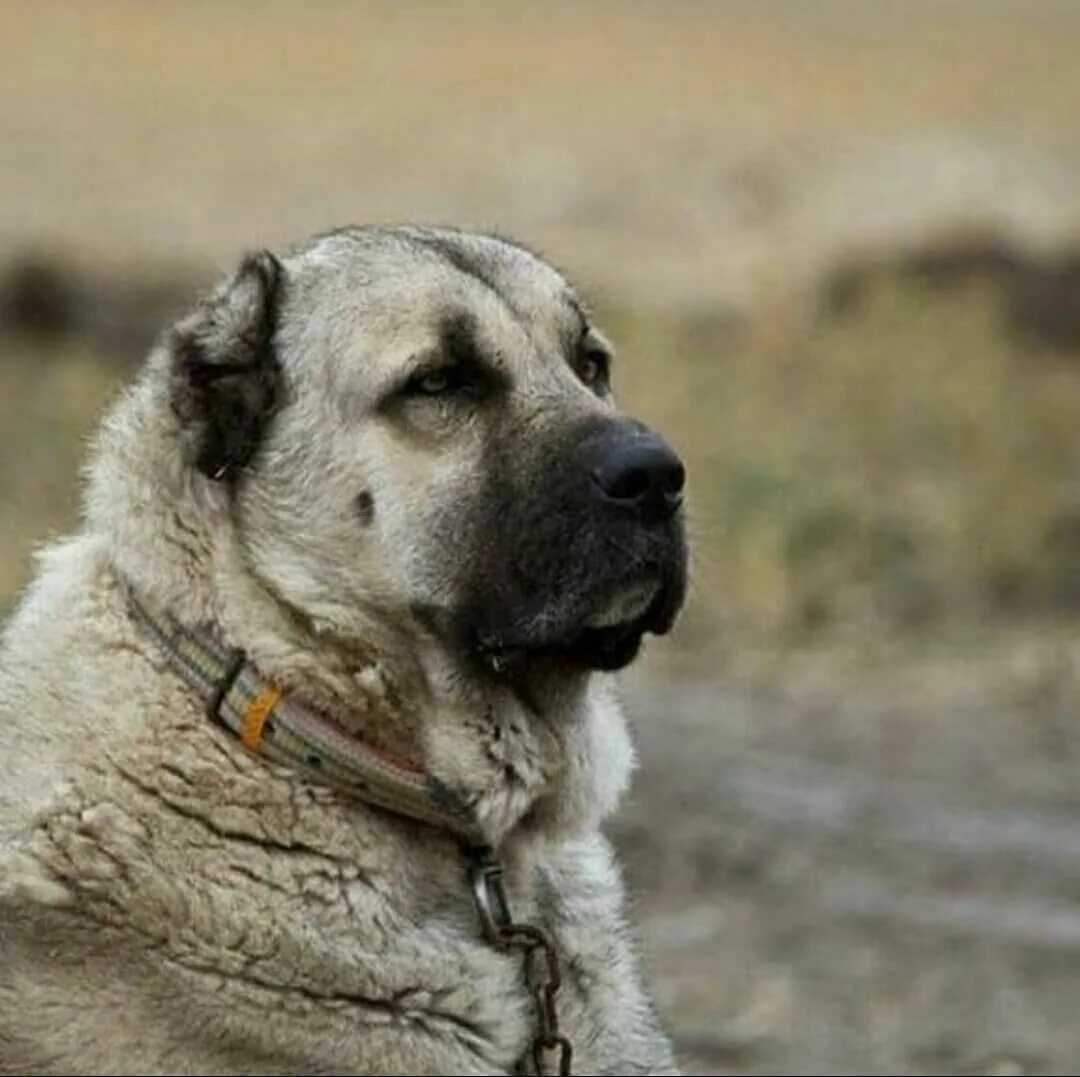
x=851, y=866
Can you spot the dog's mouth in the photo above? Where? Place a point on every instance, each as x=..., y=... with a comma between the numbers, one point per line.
x=604, y=634
x=610, y=637
x=624, y=605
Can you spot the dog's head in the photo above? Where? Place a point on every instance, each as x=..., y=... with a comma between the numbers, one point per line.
x=419, y=424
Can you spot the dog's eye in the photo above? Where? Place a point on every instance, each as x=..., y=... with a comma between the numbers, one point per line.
x=594, y=368
x=440, y=382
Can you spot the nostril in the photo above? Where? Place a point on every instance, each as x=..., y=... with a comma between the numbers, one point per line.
x=674, y=480
x=626, y=484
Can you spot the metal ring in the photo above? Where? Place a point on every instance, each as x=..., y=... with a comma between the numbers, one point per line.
x=559, y=1043
x=485, y=877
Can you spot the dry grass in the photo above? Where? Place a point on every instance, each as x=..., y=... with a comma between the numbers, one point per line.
x=900, y=466
x=48, y=405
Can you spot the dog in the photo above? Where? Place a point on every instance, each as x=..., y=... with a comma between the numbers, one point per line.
x=307, y=736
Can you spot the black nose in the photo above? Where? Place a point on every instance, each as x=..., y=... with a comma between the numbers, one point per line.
x=640, y=471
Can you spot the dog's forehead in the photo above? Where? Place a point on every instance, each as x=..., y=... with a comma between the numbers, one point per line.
x=532, y=287
x=407, y=280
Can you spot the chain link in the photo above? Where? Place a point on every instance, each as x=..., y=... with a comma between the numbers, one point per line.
x=542, y=974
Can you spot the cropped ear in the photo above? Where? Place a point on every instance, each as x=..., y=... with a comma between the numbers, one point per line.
x=224, y=377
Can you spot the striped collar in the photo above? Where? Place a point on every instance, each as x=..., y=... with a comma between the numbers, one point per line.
x=270, y=724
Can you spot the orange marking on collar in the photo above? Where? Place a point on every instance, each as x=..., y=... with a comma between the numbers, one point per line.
x=256, y=716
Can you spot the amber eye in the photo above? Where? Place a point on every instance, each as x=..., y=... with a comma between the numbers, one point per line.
x=594, y=368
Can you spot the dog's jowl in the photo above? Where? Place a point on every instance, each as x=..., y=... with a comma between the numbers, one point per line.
x=306, y=738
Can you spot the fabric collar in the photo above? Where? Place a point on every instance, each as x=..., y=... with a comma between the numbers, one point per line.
x=271, y=725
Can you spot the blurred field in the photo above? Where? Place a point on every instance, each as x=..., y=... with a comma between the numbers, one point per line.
x=673, y=153
x=838, y=247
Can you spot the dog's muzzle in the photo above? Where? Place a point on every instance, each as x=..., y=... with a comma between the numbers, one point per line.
x=588, y=550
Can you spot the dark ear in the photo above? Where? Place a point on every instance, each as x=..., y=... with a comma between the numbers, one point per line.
x=224, y=375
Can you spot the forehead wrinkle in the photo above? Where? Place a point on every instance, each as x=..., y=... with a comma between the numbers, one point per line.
x=473, y=265
x=494, y=274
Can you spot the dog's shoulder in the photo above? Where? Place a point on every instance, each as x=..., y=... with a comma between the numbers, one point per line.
x=62, y=664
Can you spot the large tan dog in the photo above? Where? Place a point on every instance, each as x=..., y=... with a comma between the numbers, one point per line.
x=330, y=652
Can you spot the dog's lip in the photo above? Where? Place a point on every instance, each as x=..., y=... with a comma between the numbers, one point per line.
x=654, y=613
x=624, y=604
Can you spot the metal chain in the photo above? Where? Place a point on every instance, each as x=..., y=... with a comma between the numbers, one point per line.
x=542, y=974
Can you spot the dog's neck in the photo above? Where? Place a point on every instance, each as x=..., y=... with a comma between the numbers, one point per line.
x=528, y=763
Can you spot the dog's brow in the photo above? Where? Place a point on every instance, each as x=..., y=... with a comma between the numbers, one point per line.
x=459, y=344
x=455, y=344
x=585, y=336
x=457, y=338
x=584, y=327
x=576, y=305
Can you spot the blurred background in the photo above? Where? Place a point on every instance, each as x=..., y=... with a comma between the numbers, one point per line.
x=838, y=246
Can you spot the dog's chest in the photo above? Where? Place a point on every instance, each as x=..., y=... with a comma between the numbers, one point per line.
x=332, y=940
